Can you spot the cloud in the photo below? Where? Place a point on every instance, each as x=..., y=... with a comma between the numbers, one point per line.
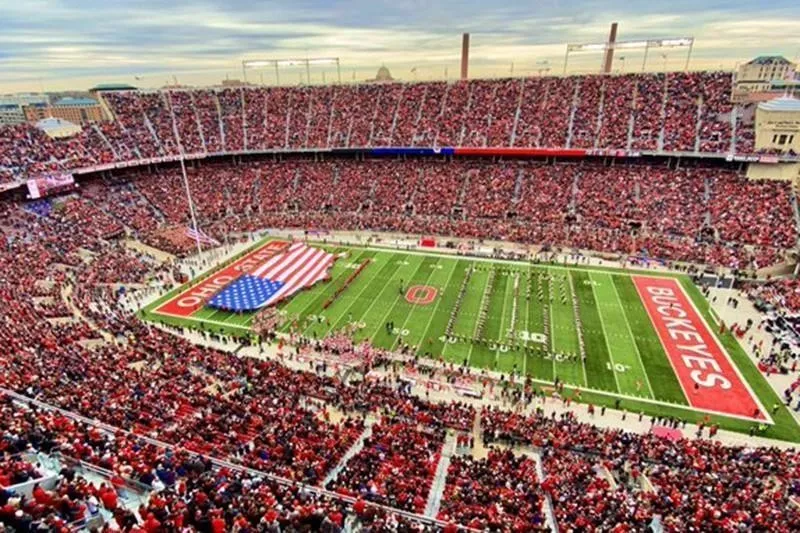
x=76, y=43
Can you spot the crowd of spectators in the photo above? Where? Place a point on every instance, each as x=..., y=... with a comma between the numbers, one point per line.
x=395, y=467
x=103, y=364
x=64, y=508
x=193, y=492
x=608, y=478
x=674, y=112
x=498, y=493
x=783, y=293
x=15, y=469
x=757, y=213
x=694, y=214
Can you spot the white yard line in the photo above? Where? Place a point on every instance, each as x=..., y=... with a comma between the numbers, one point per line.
x=633, y=339
x=549, y=297
x=439, y=302
x=502, y=322
x=377, y=299
x=389, y=309
x=527, y=318
x=408, y=316
x=605, y=335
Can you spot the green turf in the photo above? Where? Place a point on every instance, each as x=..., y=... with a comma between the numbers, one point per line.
x=624, y=356
x=599, y=372
x=541, y=339
x=665, y=384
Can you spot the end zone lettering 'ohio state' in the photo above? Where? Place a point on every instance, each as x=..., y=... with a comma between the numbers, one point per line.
x=195, y=297
x=706, y=373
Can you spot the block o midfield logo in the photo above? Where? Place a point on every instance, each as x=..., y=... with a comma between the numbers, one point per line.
x=421, y=294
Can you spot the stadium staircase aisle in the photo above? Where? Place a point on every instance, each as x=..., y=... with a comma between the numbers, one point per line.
x=105, y=140
x=631, y=120
x=357, y=446
x=517, y=187
x=66, y=295
x=698, y=123
x=517, y=113
x=547, y=507
x=572, y=110
x=796, y=212
x=664, y=100
x=440, y=479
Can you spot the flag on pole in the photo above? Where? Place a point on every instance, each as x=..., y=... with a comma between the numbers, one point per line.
x=201, y=236
x=281, y=276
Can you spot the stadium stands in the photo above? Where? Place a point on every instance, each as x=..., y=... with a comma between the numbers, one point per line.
x=595, y=477
x=146, y=406
x=508, y=481
x=677, y=112
x=690, y=214
x=263, y=415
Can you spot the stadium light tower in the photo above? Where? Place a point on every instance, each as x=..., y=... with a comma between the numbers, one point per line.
x=646, y=45
x=277, y=63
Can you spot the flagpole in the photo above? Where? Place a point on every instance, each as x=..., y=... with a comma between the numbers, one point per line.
x=183, y=173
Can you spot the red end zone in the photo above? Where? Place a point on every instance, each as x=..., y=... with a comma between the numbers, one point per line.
x=195, y=297
x=709, y=380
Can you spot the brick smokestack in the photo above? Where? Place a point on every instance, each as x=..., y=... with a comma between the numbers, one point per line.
x=464, y=56
x=612, y=38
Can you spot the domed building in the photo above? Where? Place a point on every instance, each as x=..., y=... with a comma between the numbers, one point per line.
x=383, y=76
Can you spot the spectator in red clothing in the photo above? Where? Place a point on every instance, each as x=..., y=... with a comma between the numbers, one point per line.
x=108, y=497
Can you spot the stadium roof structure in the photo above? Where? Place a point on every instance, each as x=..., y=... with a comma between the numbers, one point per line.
x=112, y=87
x=783, y=104
x=769, y=60
x=57, y=127
x=70, y=101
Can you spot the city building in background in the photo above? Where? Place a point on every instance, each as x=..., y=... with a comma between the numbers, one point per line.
x=778, y=125
x=761, y=78
x=383, y=76
x=12, y=106
x=75, y=110
x=11, y=114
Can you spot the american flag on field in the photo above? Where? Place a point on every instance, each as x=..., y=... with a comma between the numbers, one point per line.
x=279, y=277
x=201, y=236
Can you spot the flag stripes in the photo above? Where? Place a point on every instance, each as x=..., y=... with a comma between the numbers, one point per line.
x=281, y=276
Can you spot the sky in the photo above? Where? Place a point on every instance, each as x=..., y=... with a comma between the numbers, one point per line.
x=73, y=44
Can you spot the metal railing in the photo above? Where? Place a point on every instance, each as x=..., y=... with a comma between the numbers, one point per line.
x=220, y=463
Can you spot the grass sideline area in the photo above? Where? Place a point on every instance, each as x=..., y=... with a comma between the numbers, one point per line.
x=511, y=317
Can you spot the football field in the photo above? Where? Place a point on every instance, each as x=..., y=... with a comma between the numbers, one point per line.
x=647, y=338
